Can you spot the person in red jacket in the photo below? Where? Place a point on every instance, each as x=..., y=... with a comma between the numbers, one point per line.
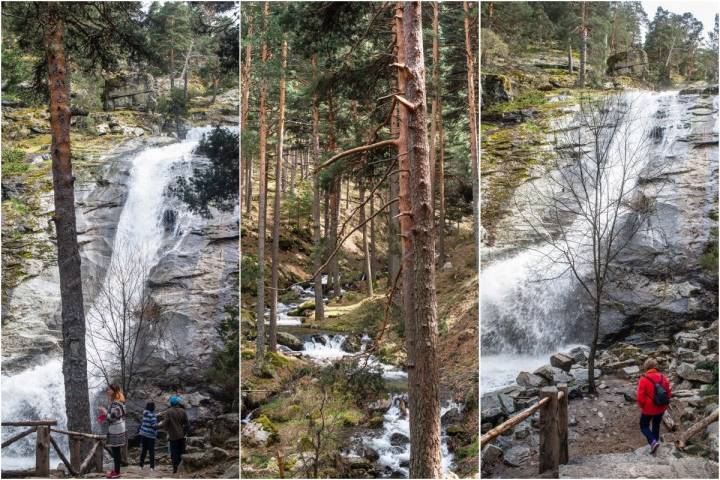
x=646, y=398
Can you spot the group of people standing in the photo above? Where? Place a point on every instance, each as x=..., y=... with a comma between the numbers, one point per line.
x=173, y=420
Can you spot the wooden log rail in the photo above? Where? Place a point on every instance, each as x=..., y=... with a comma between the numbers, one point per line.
x=77, y=466
x=553, y=407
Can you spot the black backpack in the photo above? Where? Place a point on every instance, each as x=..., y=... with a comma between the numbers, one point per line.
x=660, y=395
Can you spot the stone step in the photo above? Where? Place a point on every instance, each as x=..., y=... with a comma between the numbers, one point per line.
x=668, y=463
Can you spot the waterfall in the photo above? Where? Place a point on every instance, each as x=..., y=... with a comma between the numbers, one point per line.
x=524, y=315
x=39, y=393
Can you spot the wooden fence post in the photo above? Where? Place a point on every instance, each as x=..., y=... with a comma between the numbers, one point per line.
x=563, y=423
x=99, y=456
x=75, y=452
x=549, y=433
x=42, y=451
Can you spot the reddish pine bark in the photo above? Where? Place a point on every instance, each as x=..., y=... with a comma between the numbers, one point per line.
x=425, y=459
x=77, y=403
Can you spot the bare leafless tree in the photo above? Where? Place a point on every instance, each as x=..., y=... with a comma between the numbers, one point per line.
x=124, y=325
x=590, y=202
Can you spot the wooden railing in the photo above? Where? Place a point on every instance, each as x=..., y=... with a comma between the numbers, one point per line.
x=553, y=407
x=43, y=440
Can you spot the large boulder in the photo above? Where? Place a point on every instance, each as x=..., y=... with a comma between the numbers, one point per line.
x=689, y=372
x=562, y=361
x=133, y=91
x=632, y=63
x=290, y=341
x=196, y=461
x=495, y=89
x=526, y=379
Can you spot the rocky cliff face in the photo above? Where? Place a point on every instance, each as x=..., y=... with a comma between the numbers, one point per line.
x=192, y=285
x=31, y=309
x=666, y=277
x=134, y=91
x=632, y=63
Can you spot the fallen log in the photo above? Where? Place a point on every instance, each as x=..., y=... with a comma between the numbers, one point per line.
x=695, y=429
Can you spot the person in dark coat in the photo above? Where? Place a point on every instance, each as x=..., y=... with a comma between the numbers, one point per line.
x=114, y=417
x=148, y=434
x=647, y=394
x=175, y=423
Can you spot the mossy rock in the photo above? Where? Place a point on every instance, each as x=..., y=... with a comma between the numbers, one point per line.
x=301, y=309
x=455, y=429
x=277, y=359
x=269, y=427
x=350, y=418
x=376, y=421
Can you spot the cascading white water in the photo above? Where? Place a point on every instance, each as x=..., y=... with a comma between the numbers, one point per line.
x=524, y=317
x=392, y=444
x=39, y=392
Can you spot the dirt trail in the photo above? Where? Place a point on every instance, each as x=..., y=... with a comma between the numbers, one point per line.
x=606, y=423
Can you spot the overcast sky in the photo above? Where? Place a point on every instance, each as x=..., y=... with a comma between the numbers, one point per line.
x=701, y=9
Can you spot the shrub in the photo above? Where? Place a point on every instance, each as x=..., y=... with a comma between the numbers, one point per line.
x=360, y=382
x=225, y=369
x=248, y=273
x=491, y=46
x=13, y=162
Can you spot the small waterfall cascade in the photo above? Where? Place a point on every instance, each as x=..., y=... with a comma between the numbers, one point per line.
x=524, y=315
x=392, y=443
x=143, y=234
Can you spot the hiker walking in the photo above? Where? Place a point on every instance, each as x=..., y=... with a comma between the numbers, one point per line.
x=114, y=417
x=148, y=434
x=653, y=397
x=176, y=424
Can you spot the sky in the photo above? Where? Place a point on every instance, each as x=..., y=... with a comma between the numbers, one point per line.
x=703, y=10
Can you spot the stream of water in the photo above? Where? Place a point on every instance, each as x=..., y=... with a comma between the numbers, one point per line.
x=39, y=393
x=391, y=442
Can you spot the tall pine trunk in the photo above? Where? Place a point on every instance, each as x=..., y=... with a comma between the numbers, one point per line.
x=441, y=192
x=77, y=404
x=367, y=263
x=470, y=56
x=373, y=250
x=570, y=58
x=425, y=458
x=262, y=214
x=248, y=186
x=272, y=333
x=439, y=183
x=246, y=76
x=318, y=256
x=583, y=44
x=436, y=96
x=293, y=167
x=393, y=219
x=334, y=224
x=245, y=110
x=334, y=200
